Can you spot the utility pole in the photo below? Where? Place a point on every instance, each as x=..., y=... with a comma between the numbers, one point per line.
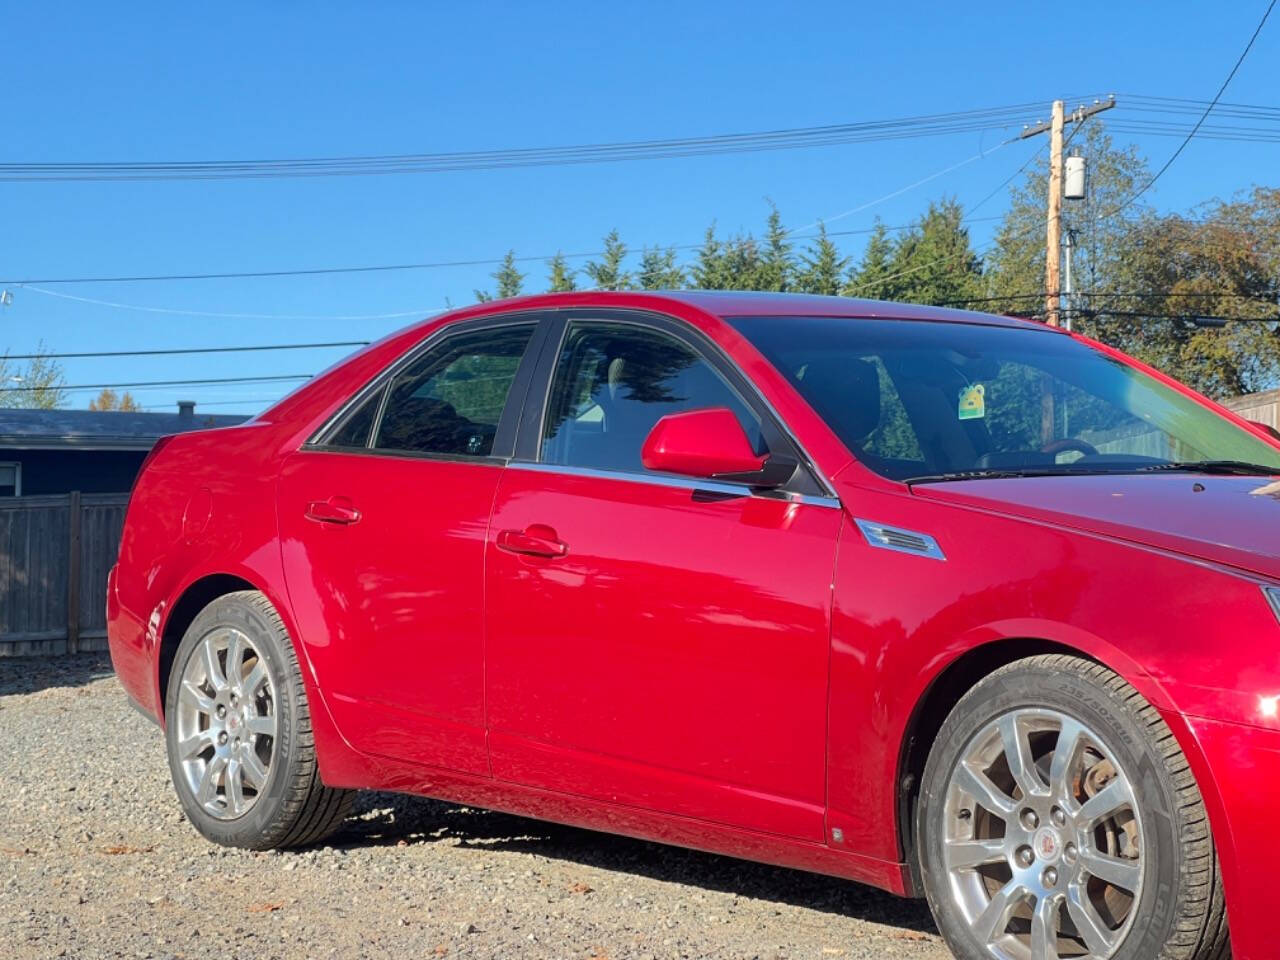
x=1053, y=223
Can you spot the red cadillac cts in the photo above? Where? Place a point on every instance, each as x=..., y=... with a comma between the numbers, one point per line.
x=961, y=606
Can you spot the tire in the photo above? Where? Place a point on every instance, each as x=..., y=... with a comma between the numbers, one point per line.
x=241, y=753
x=1147, y=831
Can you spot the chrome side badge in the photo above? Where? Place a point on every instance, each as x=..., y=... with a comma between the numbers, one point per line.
x=899, y=540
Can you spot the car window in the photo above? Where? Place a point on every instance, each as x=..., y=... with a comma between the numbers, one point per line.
x=355, y=430
x=450, y=399
x=918, y=398
x=614, y=381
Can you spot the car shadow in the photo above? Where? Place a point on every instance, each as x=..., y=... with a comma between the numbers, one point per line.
x=393, y=819
x=24, y=675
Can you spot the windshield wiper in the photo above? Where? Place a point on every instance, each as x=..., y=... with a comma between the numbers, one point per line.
x=1237, y=467
x=1002, y=473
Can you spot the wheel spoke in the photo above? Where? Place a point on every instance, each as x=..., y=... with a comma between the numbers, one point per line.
x=213, y=669
x=1017, y=750
x=209, y=781
x=1089, y=925
x=993, y=921
x=256, y=677
x=1112, y=798
x=1125, y=874
x=1063, y=755
x=202, y=703
x=986, y=793
x=195, y=745
x=1044, y=929
x=235, y=658
x=235, y=787
x=255, y=774
x=262, y=726
x=967, y=854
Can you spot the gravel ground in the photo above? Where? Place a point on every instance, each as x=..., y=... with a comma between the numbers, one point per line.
x=97, y=861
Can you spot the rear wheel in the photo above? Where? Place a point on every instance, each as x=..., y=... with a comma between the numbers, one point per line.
x=238, y=732
x=1058, y=819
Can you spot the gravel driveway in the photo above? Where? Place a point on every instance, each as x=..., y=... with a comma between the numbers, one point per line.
x=97, y=861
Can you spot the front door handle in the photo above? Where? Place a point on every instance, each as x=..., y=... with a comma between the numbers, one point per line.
x=334, y=510
x=536, y=540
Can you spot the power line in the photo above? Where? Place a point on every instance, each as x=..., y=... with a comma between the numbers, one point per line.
x=71, y=388
x=183, y=350
x=174, y=311
x=780, y=139
x=377, y=268
x=1203, y=116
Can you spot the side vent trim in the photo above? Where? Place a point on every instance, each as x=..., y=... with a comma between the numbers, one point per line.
x=899, y=540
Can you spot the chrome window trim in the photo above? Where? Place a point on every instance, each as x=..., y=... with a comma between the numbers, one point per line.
x=680, y=483
x=704, y=344
x=878, y=536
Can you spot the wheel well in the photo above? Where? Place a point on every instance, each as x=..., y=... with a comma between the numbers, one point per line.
x=194, y=599
x=932, y=711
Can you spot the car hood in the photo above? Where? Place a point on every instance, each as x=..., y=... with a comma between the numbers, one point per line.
x=1225, y=519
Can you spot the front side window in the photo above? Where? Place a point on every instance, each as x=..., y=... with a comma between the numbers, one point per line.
x=614, y=381
x=916, y=398
x=450, y=399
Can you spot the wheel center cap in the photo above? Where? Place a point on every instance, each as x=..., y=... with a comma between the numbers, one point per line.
x=1047, y=844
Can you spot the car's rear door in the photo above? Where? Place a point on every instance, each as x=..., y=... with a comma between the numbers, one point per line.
x=655, y=641
x=383, y=523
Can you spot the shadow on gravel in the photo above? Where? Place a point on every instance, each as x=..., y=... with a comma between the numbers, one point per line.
x=389, y=819
x=21, y=675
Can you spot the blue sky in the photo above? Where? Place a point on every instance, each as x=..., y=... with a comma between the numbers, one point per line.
x=97, y=82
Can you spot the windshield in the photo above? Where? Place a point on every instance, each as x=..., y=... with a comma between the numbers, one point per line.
x=924, y=399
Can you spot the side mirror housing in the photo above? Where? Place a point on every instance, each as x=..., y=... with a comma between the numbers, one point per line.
x=710, y=444
x=1266, y=428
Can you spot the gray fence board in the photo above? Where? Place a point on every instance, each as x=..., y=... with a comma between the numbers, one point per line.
x=36, y=566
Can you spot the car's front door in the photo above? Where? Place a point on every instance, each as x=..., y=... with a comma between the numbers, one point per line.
x=655, y=641
x=383, y=525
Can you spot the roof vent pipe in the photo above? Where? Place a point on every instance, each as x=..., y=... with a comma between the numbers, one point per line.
x=186, y=409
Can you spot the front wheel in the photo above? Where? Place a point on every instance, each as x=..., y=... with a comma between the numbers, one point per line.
x=1058, y=818
x=238, y=732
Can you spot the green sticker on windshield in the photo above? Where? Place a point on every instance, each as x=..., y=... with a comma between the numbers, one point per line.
x=973, y=403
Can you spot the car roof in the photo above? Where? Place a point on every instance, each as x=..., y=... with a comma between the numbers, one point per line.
x=734, y=303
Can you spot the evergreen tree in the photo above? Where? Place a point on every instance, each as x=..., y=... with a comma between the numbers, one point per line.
x=608, y=273
x=708, y=271
x=560, y=277
x=871, y=278
x=823, y=267
x=777, y=266
x=741, y=264
x=658, y=270
x=108, y=399
x=510, y=280
x=934, y=261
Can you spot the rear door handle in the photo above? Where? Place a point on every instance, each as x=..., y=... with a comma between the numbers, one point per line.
x=536, y=540
x=334, y=510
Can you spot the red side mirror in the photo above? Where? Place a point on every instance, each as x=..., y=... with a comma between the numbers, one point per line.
x=701, y=443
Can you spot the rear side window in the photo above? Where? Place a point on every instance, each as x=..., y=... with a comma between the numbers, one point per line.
x=613, y=382
x=355, y=430
x=450, y=399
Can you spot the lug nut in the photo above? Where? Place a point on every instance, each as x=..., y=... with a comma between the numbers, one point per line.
x=222, y=738
x=1025, y=857
x=1029, y=819
x=1050, y=877
x=1059, y=817
x=221, y=711
x=1069, y=853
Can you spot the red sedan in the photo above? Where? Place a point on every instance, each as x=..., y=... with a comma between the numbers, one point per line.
x=961, y=606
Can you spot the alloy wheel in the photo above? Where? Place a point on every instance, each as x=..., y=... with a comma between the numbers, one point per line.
x=227, y=723
x=1043, y=841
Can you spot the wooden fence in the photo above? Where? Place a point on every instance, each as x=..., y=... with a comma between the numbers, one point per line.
x=55, y=553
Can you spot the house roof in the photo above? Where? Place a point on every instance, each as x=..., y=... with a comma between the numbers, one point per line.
x=98, y=430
